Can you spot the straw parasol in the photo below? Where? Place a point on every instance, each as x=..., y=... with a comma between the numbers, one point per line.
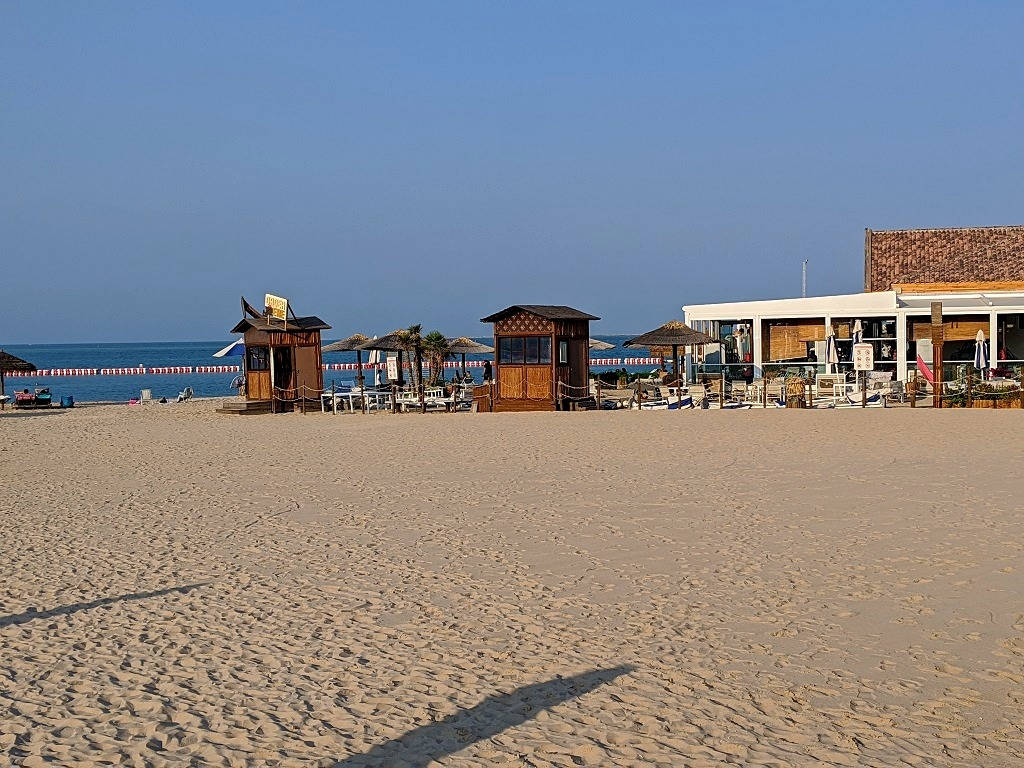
x=674, y=334
x=353, y=343
x=600, y=346
x=464, y=345
x=391, y=342
x=9, y=362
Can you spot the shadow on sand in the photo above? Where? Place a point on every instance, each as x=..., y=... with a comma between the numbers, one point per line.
x=30, y=413
x=64, y=610
x=418, y=747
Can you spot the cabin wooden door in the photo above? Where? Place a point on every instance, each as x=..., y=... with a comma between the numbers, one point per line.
x=307, y=372
x=283, y=370
x=257, y=385
x=511, y=382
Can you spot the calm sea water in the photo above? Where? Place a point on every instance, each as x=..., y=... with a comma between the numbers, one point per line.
x=151, y=355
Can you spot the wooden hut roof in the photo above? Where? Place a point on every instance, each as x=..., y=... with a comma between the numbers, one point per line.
x=262, y=323
x=674, y=333
x=547, y=311
x=351, y=344
x=9, y=362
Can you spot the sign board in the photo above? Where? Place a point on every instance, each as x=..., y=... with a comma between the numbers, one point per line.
x=276, y=306
x=392, y=368
x=863, y=357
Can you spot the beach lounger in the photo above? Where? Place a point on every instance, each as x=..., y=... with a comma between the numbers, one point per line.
x=185, y=394
x=24, y=399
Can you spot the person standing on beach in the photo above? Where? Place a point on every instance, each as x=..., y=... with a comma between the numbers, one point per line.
x=487, y=371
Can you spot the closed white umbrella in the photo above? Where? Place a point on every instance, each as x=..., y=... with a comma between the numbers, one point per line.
x=374, y=360
x=980, y=353
x=858, y=332
x=831, y=353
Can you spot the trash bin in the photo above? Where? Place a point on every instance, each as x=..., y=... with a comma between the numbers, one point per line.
x=67, y=401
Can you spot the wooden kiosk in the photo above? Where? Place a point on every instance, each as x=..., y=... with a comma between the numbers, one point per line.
x=541, y=355
x=283, y=365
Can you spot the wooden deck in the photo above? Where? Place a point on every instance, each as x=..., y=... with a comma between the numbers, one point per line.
x=245, y=407
x=509, y=405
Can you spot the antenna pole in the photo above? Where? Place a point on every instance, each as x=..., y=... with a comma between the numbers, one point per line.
x=804, y=281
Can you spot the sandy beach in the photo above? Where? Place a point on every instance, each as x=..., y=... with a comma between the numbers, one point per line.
x=182, y=588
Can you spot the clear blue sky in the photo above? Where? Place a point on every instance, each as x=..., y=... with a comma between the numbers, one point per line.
x=389, y=163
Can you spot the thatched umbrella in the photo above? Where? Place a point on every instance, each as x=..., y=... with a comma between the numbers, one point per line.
x=600, y=346
x=391, y=342
x=466, y=346
x=9, y=362
x=352, y=343
x=674, y=334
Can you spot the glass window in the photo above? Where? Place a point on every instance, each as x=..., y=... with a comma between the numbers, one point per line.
x=517, y=350
x=504, y=350
x=545, y=350
x=532, y=350
x=563, y=352
x=257, y=359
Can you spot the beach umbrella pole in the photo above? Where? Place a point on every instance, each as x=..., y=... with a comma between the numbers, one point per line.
x=675, y=367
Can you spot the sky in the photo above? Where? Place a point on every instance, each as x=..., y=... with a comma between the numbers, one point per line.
x=383, y=164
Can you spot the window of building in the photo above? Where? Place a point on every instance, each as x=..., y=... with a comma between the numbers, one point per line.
x=257, y=359
x=563, y=352
x=524, y=350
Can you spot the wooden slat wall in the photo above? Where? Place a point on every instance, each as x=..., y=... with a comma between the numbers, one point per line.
x=510, y=382
x=953, y=330
x=538, y=382
x=788, y=342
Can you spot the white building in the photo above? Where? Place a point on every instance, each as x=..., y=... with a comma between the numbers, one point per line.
x=977, y=274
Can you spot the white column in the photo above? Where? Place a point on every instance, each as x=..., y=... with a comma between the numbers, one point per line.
x=993, y=339
x=901, y=346
x=755, y=342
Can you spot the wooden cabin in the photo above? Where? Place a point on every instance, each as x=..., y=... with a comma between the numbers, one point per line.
x=537, y=347
x=282, y=358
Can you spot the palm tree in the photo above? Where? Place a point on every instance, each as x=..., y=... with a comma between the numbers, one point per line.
x=412, y=340
x=437, y=350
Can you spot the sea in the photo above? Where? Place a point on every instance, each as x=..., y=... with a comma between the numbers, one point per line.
x=179, y=353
